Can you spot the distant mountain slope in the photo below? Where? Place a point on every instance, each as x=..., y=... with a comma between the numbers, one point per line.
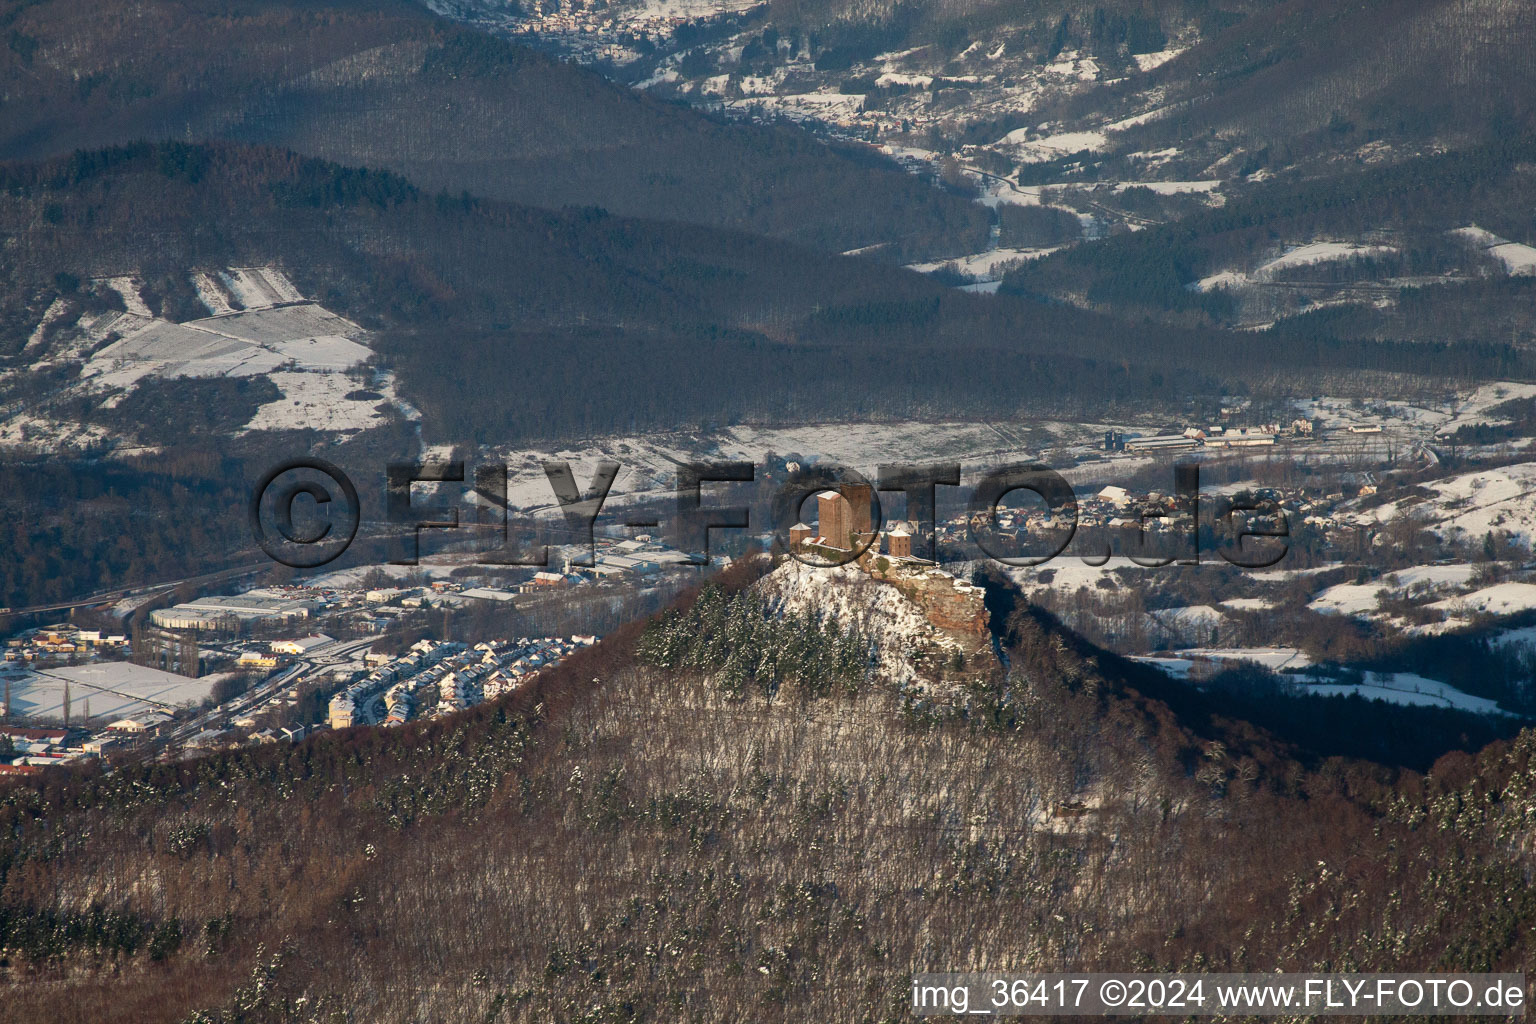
x=1290, y=80
x=390, y=86
x=1309, y=80
x=507, y=322
x=1380, y=252
x=504, y=320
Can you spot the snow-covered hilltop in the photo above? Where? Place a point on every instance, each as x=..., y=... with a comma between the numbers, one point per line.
x=926, y=626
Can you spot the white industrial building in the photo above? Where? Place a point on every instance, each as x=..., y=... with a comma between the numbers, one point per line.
x=301, y=646
x=231, y=612
x=1161, y=443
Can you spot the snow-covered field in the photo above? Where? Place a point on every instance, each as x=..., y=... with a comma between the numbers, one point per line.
x=256, y=287
x=233, y=345
x=1517, y=258
x=1181, y=663
x=316, y=401
x=1297, y=256
x=1188, y=619
x=1172, y=188
x=1069, y=574
x=113, y=689
x=1523, y=636
x=1407, y=688
x=50, y=315
x=1361, y=598
x=274, y=327
x=160, y=348
x=1150, y=61
x=1248, y=604
x=989, y=264
x=1049, y=147
x=128, y=289
x=1499, y=599
x=1286, y=575
x=211, y=294
x=1471, y=505
x=1320, y=252
x=309, y=352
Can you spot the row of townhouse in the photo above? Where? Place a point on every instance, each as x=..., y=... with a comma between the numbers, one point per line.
x=424, y=654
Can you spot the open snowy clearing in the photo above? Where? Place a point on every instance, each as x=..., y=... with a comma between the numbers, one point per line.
x=1321, y=252
x=255, y=287
x=1248, y=604
x=317, y=401
x=211, y=294
x=1068, y=574
x=1406, y=688
x=1150, y=61
x=1049, y=147
x=984, y=264
x=1471, y=505
x=1409, y=689
x=1517, y=258
x=1299, y=256
x=164, y=349
x=1361, y=598
x=1211, y=659
x=128, y=290
x=1171, y=188
x=1499, y=599
x=307, y=351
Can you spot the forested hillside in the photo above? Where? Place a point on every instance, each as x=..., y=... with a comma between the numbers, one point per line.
x=634, y=839
x=1319, y=84
x=1406, y=217
x=387, y=85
